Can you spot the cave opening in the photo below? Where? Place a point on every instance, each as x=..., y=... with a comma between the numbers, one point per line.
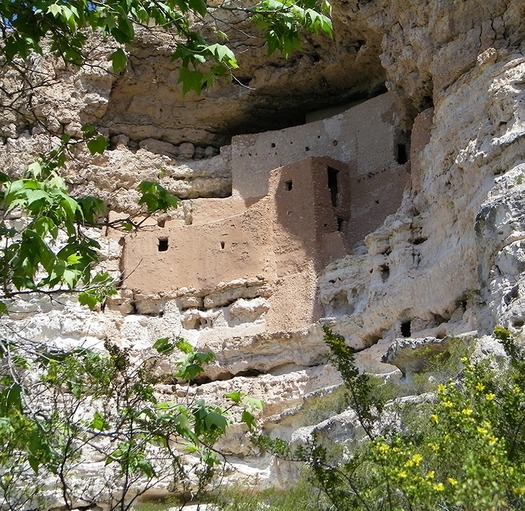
x=406, y=328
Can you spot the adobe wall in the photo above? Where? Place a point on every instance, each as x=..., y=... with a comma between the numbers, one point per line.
x=281, y=241
x=366, y=137
x=284, y=222
x=198, y=256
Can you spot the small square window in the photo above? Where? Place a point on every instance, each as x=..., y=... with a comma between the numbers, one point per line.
x=163, y=244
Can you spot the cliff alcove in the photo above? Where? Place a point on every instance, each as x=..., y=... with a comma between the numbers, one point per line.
x=373, y=183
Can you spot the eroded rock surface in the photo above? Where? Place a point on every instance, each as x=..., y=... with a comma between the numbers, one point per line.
x=437, y=245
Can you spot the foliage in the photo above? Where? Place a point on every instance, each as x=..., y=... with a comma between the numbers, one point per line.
x=46, y=246
x=300, y=496
x=62, y=409
x=25, y=25
x=464, y=450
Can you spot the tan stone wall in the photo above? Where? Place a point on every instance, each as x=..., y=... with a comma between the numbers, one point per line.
x=365, y=136
x=283, y=224
x=284, y=240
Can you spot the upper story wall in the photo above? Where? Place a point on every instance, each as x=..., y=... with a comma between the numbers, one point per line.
x=366, y=137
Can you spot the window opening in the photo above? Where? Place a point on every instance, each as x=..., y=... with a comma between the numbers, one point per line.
x=402, y=155
x=385, y=272
x=333, y=184
x=163, y=244
x=406, y=329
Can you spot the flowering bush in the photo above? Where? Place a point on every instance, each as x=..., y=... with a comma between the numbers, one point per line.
x=463, y=450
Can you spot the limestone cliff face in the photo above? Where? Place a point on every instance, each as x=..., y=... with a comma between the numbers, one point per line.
x=440, y=250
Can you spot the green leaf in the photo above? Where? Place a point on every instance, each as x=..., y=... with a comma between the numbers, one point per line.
x=248, y=419
x=97, y=145
x=119, y=60
x=146, y=468
x=198, y=6
x=189, y=372
x=14, y=396
x=70, y=277
x=89, y=131
x=88, y=298
x=55, y=10
x=184, y=346
x=191, y=80
x=223, y=54
x=156, y=197
x=98, y=422
x=34, y=170
x=216, y=421
x=253, y=403
x=235, y=396
x=3, y=309
x=164, y=346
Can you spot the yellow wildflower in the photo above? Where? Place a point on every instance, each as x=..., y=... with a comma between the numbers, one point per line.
x=434, y=418
x=430, y=474
x=384, y=448
x=452, y=481
x=417, y=459
x=466, y=411
x=480, y=386
x=439, y=487
x=490, y=397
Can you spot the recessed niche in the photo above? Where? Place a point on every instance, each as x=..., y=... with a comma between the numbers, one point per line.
x=406, y=329
x=163, y=244
x=335, y=142
x=333, y=184
x=340, y=224
x=222, y=245
x=273, y=144
x=288, y=185
x=385, y=272
x=402, y=154
x=161, y=222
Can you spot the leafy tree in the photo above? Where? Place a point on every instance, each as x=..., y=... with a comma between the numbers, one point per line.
x=60, y=408
x=66, y=24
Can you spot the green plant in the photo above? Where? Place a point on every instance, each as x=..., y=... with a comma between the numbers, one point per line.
x=52, y=253
x=85, y=403
x=465, y=450
x=298, y=496
x=66, y=25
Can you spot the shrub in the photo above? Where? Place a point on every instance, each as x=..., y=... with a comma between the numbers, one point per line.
x=463, y=450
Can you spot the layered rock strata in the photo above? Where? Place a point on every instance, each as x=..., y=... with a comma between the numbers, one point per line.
x=426, y=243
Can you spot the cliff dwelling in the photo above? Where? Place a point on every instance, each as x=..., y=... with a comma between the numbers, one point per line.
x=302, y=198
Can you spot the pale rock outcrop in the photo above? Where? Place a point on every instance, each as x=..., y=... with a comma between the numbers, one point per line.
x=449, y=260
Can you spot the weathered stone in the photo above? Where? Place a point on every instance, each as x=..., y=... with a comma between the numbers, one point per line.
x=159, y=147
x=186, y=151
x=430, y=255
